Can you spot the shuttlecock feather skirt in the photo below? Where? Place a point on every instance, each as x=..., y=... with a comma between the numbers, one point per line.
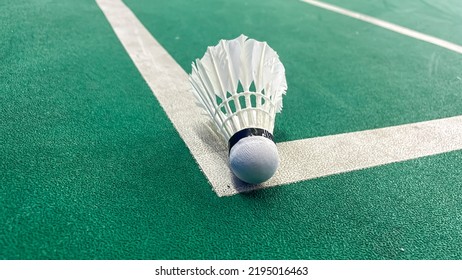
x=239, y=83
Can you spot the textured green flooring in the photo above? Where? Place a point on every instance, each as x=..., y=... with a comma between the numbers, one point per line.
x=91, y=167
x=442, y=18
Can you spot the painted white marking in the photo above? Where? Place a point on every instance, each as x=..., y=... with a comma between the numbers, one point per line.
x=333, y=154
x=301, y=159
x=387, y=25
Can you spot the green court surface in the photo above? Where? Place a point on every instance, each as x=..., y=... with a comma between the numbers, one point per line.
x=91, y=167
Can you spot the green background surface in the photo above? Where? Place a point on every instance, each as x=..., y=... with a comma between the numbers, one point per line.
x=442, y=18
x=92, y=168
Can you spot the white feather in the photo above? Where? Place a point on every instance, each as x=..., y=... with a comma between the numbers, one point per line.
x=216, y=77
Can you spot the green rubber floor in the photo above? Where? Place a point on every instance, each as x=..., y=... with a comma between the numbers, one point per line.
x=92, y=168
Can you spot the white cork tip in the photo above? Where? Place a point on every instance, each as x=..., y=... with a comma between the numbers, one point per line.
x=254, y=159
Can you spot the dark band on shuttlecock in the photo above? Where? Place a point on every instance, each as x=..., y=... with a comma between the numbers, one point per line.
x=246, y=133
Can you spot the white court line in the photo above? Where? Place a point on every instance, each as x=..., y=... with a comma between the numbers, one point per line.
x=300, y=160
x=387, y=25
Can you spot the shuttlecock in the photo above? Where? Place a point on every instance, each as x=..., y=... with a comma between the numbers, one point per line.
x=240, y=83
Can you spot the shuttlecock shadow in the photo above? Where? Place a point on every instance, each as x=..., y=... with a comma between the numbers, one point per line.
x=257, y=193
x=243, y=187
x=210, y=137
